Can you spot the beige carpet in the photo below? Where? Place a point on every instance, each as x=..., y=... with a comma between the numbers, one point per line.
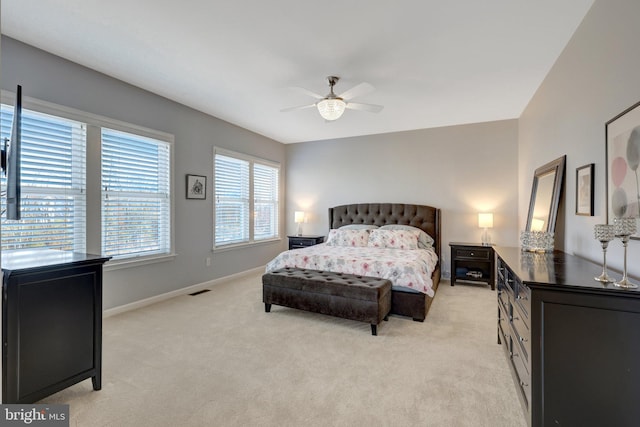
x=217, y=359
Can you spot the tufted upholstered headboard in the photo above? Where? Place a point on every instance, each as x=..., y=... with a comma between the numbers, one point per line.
x=424, y=217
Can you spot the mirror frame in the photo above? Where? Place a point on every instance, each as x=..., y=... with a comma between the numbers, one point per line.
x=557, y=165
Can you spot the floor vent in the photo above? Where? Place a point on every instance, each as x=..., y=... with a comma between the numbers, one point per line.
x=200, y=292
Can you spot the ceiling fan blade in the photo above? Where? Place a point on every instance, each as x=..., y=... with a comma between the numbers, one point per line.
x=372, y=108
x=307, y=92
x=299, y=107
x=358, y=90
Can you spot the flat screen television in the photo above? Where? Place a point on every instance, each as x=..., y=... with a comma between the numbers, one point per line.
x=10, y=159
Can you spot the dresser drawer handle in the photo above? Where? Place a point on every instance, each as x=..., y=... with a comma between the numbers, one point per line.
x=520, y=297
x=522, y=339
x=523, y=384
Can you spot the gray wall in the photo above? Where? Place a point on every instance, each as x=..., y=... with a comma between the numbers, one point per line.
x=594, y=79
x=53, y=79
x=461, y=169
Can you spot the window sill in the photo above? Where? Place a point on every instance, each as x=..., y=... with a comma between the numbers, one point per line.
x=246, y=245
x=119, y=264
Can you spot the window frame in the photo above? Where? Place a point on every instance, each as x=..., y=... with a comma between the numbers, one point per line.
x=165, y=240
x=251, y=160
x=77, y=188
x=94, y=123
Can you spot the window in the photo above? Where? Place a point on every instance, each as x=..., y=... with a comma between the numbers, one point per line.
x=246, y=193
x=53, y=186
x=131, y=184
x=136, y=195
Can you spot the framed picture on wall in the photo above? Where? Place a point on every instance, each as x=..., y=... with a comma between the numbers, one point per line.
x=623, y=165
x=196, y=187
x=584, y=190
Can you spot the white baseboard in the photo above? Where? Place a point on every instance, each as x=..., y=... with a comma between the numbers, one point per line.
x=178, y=292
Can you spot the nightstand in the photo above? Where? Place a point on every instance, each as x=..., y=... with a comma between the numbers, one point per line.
x=472, y=262
x=297, y=242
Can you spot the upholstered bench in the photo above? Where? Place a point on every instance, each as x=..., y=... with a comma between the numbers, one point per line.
x=366, y=299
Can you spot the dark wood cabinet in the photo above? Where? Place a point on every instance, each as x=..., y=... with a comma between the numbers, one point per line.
x=297, y=242
x=573, y=343
x=51, y=324
x=472, y=262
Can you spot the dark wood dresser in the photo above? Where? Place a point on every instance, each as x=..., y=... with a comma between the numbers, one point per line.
x=51, y=322
x=573, y=343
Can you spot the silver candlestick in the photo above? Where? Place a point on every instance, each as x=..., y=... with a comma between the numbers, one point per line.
x=604, y=233
x=624, y=228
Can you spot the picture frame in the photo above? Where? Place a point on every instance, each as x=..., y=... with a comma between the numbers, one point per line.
x=584, y=189
x=622, y=137
x=196, y=187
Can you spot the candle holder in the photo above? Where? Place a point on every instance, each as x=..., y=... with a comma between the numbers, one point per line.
x=604, y=233
x=623, y=229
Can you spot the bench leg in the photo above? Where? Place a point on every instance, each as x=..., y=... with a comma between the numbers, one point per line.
x=267, y=307
x=374, y=329
x=386, y=318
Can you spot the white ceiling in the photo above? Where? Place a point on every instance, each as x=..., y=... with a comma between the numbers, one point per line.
x=433, y=62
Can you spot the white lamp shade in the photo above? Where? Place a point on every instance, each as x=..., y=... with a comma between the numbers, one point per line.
x=485, y=220
x=537, y=224
x=331, y=108
x=298, y=217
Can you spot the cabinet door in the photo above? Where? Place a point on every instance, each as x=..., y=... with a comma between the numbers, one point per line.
x=585, y=370
x=51, y=331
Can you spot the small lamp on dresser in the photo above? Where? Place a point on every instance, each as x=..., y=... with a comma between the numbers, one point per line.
x=299, y=219
x=485, y=221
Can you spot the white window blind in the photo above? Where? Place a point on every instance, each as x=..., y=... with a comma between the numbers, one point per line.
x=231, y=200
x=136, y=195
x=246, y=193
x=265, y=195
x=53, y=170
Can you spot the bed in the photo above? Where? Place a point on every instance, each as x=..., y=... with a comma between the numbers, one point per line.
x=414, y=283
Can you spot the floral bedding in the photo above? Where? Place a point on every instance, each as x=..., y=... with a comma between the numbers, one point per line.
x=405, y=268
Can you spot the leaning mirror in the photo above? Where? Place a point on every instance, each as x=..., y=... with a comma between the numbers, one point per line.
x=548, y=181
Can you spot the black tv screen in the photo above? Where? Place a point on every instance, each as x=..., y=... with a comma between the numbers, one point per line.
x=12, y=161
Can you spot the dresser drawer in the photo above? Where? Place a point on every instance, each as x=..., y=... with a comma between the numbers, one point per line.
x=522, y=373
x=521, y=335
x=473, y=253
x=505, y=339
x=503, y=296
x=523, y=299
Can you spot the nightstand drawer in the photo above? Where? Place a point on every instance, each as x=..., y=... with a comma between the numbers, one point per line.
x=298, y=242
x=472, y=253
x=304, y=242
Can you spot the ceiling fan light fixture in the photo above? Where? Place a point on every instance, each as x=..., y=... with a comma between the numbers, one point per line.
x=331, y=108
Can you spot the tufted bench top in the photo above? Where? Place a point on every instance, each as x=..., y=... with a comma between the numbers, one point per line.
x=330, y=283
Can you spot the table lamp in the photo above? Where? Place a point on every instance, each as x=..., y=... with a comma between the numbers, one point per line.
x=485, y=221
x=299, y=219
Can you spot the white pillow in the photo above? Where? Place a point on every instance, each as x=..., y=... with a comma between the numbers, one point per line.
x=354, y=238
x=424, y=240
x=394, y=239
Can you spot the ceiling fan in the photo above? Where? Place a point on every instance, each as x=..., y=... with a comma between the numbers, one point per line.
x=332, y=106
